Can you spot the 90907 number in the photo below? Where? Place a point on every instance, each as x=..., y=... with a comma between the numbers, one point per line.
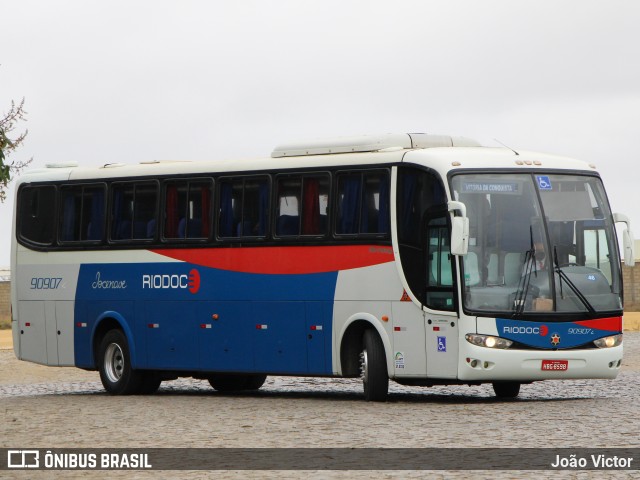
x=45, y=283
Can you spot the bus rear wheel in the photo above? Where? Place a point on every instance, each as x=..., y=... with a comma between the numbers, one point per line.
x=254, y=382
x=114, y=363
x=506, y=389
x=373, y=367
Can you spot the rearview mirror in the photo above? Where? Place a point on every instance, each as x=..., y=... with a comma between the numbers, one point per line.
x=459, y=229
x=627, y=239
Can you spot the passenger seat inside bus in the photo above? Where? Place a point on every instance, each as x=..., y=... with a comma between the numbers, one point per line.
x=194, y=230
x=288, y=225
x=151, y=228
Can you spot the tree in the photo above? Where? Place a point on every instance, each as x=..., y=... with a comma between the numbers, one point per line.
x=8, y=124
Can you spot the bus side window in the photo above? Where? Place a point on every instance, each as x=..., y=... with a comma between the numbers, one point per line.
x=133, y=208
x=37, y=214
x=302, y=205
x=595, y=248
x=82, y=213
x=244, y=207
x=187, y=209
x=363, y=203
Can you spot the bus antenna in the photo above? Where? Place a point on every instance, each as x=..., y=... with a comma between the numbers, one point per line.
x=505, y=146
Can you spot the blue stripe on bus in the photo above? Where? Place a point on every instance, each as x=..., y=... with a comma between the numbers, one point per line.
x=554, y=335
x=193, y=318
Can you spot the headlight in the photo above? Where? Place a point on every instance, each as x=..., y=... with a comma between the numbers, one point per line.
x=488, y=341
x=608, y=342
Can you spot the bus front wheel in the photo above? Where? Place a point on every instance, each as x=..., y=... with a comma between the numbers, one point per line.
x=149, y=383
x=114, y=359
x=506, y=389
x=373, y=367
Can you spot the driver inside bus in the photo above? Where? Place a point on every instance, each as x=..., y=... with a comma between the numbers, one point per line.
x=537, y=261
x=540, y=256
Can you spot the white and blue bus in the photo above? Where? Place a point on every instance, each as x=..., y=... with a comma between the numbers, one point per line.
x=424, y=259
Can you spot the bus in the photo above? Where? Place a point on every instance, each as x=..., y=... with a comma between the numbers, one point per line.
x=422, y=259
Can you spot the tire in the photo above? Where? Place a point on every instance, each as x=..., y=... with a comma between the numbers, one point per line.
x=231, y=383
x=114, y=363
x=149, y=383
x=254, y=382
x=506, y=389
x=373, y=368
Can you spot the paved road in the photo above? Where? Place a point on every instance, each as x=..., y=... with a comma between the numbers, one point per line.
x=46, y=407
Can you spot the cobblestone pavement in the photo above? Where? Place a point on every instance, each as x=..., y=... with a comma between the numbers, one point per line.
x=45, y=407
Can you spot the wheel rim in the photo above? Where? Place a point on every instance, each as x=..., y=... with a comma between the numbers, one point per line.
x=364, y=366
x=113, y=362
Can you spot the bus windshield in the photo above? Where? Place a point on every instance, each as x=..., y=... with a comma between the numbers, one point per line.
x=538, y=243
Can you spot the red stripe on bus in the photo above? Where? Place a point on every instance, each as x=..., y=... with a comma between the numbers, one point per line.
x=283, y=260
x=611, y=323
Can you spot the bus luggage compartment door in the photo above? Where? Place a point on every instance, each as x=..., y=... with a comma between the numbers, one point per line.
x=280, y=337
x=225, y=336
x=171, y=329
x=33, y=331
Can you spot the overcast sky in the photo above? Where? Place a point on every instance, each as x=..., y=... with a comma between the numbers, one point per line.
x=129, y=81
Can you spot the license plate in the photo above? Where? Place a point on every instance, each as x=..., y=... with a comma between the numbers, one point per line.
x=555, y=365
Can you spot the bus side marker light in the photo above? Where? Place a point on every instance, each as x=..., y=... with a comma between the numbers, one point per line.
x=215, y=316
x=153, y=325
x=261, y=327
x=28, y=324
x=205, y=325
x=399, y=329
x=81, y=325
x=316, y=327
x=385, y=318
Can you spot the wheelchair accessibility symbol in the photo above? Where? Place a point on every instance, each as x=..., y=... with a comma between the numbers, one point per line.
x=442, y=344
x=544, y=183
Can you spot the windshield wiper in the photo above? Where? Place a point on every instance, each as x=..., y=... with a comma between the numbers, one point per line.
x=525, y=280
x=563, y=276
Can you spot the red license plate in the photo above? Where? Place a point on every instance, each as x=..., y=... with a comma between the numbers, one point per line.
x=555, y=365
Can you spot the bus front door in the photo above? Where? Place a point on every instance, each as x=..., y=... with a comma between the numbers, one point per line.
x=440, y=310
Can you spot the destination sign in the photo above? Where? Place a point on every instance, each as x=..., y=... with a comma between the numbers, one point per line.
x=491, y=187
